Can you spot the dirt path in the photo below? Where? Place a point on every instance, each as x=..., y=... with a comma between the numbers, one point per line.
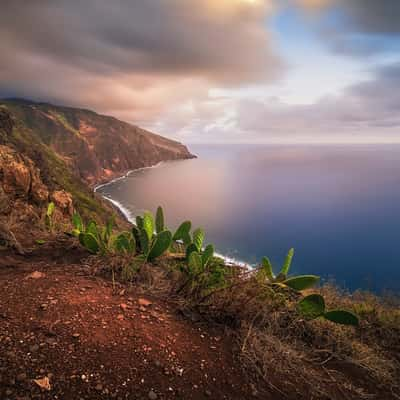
x=58, y=322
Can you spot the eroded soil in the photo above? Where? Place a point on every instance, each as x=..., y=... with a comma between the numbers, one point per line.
x=59, y=322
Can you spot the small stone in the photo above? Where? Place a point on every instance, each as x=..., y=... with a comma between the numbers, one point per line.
x=35, y=275
x=123, y=306
x=21, y=377
x=120, y=316
x=44, y=306
x=76, y=335
x=144, y=302
x=207, y=393
x=99, y=387
x=34, y=348
x=152, y=395
x=8, y=392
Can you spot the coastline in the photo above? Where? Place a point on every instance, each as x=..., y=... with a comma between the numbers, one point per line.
x=125, y=175
x=129, y=217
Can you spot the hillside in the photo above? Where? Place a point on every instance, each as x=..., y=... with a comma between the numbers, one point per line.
x=96, y=147
x=51, y=153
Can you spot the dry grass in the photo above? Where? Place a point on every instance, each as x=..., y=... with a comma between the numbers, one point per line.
x=294, y=358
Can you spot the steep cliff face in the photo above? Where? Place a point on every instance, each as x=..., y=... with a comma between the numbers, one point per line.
x=96, y=147
x=57, y=154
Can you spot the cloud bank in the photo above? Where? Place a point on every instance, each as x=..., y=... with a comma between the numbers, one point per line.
x=155, y=63
x=133, y=58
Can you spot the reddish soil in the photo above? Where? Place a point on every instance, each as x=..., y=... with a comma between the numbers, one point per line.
x=64, y=324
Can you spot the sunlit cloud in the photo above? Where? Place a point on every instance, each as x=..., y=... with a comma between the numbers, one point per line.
x=207, y=70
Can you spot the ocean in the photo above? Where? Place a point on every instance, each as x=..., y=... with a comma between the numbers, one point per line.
x=337, y=205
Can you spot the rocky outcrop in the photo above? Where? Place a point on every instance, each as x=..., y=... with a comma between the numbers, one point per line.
x=24, y=198
x=6, y=123
x=96, y=147
x=63, y=202
x=19, y=178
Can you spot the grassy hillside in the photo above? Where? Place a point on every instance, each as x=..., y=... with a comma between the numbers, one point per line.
x=95, y=147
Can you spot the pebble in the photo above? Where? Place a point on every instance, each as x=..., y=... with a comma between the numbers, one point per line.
x=144, y=302
x=99, y=387
x=75, y=335
x=33, y=348
x=21, y=377
x=152, y=395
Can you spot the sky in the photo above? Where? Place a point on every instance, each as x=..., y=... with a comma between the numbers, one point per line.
x=213, y=71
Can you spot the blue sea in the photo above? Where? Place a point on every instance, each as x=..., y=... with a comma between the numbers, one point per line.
x=337, y=205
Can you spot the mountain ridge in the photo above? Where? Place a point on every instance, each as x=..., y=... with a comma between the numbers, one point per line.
x=95, y=146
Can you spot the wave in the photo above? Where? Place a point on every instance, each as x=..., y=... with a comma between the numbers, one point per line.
x=96, y=188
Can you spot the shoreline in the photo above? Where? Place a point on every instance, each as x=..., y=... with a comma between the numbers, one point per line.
x=127, y=214
x=125, y=175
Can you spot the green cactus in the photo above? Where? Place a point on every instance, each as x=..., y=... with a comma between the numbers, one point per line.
x=107, y=232
x=288, y=261
x=90, y=242
x=160, y=245
x=195, y=264
x=92, y=228
x=198, y=238
x=301, y=282
x=267, y=268
x=297, y=283
x=160, y=224
x=139, y=222
x=190, y=249
x=148, y=225
x=313, y=306
x=152, y=244
x=49, y=215
x=207, y=255
x=342, y=317
x=183, y=232
x=125, y=242
x=77, y=224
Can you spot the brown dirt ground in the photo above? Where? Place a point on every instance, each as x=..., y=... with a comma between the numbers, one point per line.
x=68, y=325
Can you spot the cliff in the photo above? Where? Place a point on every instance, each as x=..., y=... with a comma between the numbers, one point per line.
x=95, y=147
x=50, y=153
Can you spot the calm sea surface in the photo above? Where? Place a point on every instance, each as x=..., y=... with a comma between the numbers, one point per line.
x=338, y=206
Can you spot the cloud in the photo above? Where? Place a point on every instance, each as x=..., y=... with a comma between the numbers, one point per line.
x=133, y=58
x=358, y=27
x=366, y=111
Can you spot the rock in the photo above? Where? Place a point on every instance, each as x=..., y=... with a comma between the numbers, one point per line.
x=6, y=122
x=63, y=202
x=76, y=335
x=21, y=377
x=144, y=302
x=43, y=383
x=5, y=202
x=34, y=348
x=207, y=393
x=35, y=275
x=99, y=387
x=123, y=306
x=152, y=395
